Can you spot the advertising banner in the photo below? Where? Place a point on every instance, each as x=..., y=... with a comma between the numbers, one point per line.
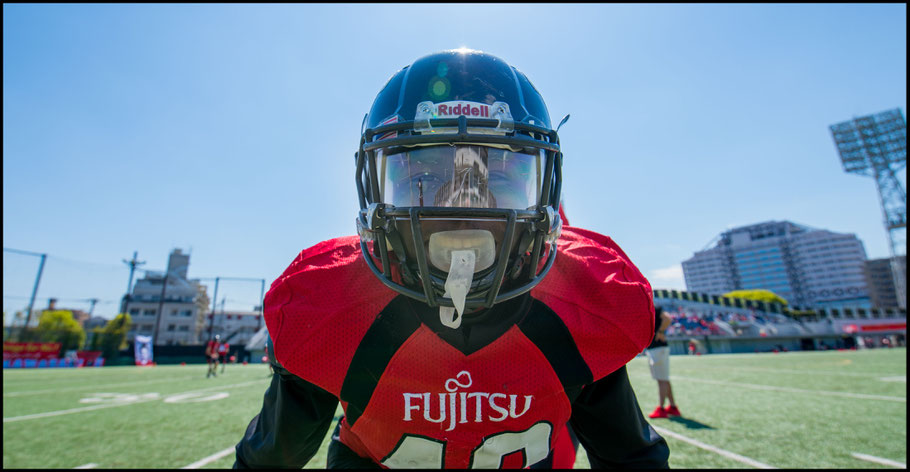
x=37, y=351
x=89, y=358
x=143, y=350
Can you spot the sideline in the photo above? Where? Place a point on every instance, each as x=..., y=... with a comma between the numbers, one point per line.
x=716, y=450
x=99, y=407
x=863, y=396
x=212, y=458
x=878, y=460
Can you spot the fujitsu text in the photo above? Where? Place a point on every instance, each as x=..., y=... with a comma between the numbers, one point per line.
x=461, y=407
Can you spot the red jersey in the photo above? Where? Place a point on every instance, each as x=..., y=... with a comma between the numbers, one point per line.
x=211, y=348
x=415, y=395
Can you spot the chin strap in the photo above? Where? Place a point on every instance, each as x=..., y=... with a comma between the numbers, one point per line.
x=394, y=240
x=526, y=239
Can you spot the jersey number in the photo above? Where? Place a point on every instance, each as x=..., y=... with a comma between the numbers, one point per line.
x=425, y=453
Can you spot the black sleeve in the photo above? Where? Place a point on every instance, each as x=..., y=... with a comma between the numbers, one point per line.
x=291, y=426
x=609, y=424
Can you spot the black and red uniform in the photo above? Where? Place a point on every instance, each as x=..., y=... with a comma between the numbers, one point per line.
x=223, y=350
x=211, y=351
x=495, y=392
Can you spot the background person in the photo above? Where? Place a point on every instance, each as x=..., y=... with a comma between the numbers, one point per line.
x=659, y=361
x=223, y=350
x=211, y=356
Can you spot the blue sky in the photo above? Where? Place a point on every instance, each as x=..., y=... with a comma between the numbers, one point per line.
x=229, y=130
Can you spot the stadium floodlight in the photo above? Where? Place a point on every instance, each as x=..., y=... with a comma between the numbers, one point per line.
x=876, y=146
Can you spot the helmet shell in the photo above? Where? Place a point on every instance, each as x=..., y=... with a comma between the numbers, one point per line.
x=458, y=75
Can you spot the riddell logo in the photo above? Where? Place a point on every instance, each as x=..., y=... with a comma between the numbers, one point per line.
x=463, y=108
x=483, y=406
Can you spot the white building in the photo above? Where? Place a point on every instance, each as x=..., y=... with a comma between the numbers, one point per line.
x=183, y=309
x=235, y=327
x=807, y=266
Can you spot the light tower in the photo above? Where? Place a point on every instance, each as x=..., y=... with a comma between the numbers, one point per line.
x=876, y=146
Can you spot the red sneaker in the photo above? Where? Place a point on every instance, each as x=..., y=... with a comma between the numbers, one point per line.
x=673, y=411
x=658, y=412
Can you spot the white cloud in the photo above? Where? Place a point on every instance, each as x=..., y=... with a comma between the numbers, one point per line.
x=667, y=278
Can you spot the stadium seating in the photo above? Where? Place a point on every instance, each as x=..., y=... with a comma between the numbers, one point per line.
x=689, y=321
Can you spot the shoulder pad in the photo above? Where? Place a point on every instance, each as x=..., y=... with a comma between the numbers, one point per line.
x=603, y=299
x=320, y=307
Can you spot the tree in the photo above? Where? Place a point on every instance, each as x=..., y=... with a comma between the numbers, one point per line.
x=758, y=295
x=111, y=339
x=58, y=326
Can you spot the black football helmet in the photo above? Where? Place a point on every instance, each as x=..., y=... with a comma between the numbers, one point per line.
x=459, y=170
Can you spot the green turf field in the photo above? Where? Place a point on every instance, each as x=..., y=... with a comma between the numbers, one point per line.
x=787, y=410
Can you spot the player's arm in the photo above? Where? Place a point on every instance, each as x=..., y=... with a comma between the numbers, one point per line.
x=291, y=426
x=609, y=424
x=665, y=322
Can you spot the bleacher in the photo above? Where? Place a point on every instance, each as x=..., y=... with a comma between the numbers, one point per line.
x=741, y=325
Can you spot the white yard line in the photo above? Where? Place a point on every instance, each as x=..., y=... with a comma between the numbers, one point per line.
x=99, y=407
x=716, y=450
x=93, y=387
x=90, y=465
x=212, y=458
x=878, y=460
x=863, y=396
x=800, y=372
x=896, y=378
x=72, y=410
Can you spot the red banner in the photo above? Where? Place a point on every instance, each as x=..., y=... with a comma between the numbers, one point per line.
x=88, y=356
x=39, y=351
x=884, y=327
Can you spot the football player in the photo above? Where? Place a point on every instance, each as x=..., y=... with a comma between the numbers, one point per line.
x=223, y=350
x=659, y=360
x=211, y=355
x=449, y=329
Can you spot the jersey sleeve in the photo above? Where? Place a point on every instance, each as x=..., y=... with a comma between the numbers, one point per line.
x=609, y=424
x=323, y=303
x=603, y=299
x=291, y=425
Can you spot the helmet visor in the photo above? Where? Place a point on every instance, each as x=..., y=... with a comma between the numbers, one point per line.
x=463, y=176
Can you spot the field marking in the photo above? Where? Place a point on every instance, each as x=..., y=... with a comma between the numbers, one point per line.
x=90, y=465
x=112, y=405
x=864, y=396
x=878, y=460
x=896, y=378
x=195, y=397
x=714, y=449
x=90, y=387
x=71, y=410
x=798, y=372
x=211, y=458
x=108, y=397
